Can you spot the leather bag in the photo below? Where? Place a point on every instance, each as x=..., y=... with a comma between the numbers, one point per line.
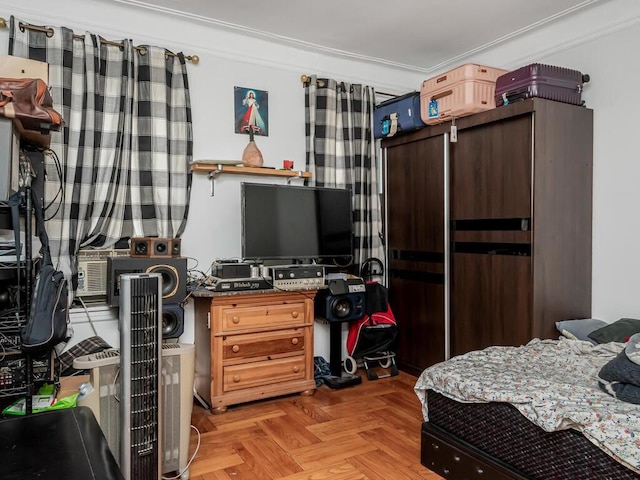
x=29, y=101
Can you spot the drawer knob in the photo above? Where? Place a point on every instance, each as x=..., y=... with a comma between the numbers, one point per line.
x=295, y=314
x=236, y=378
x=235, y=319
x=296, y=369
x=295, y=341
x=235, y=348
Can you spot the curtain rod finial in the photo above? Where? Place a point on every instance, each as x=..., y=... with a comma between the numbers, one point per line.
x=195, y=59
x=305, y=78
x=3, y=23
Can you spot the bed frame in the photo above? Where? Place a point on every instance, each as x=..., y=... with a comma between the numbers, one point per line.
x=494, y=441
x=453, y=458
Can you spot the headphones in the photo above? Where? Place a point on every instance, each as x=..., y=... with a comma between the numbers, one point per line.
x=371, y=267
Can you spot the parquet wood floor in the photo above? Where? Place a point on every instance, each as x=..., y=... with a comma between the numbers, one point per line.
x=369, y=431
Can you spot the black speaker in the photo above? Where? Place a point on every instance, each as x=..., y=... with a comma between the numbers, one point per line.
x=173, y=271
x=343, y=307
x=172, y=320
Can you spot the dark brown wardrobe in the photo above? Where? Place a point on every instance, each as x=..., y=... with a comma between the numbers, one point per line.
x=489, y=238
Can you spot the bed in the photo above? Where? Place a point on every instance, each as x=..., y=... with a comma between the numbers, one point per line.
x=531, y=412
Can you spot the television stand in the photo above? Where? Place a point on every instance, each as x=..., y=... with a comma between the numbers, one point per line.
x=252, y=345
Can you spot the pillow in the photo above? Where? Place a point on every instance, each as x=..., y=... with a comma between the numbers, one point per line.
x=580, y=329
x=618, y=331
x=632, y=350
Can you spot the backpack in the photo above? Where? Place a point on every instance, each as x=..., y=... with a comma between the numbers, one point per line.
x=377, y=331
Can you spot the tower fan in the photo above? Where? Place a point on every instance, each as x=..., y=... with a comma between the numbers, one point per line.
x=140, y=375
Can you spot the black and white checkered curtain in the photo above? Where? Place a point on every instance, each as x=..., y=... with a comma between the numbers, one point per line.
x=341, y=153
x=126, y=143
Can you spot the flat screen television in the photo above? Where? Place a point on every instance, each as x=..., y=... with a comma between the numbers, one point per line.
x=295, y=222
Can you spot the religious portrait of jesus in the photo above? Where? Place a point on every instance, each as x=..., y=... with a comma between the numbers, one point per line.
x=251, y=111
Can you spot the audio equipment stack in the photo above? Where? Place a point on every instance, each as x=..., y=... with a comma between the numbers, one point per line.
x=234, y=276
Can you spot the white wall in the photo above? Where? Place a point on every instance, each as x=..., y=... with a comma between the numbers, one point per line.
x=615, y=75
x=599, y=40
x=602, y=42
x=226, y=60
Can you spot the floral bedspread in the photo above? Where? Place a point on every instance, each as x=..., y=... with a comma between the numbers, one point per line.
x=551, y=382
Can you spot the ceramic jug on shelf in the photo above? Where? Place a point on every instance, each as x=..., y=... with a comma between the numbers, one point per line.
x=251, y=156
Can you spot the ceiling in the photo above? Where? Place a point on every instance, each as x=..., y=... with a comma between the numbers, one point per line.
x=415, y=34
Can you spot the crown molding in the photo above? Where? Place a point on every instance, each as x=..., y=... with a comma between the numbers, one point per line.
x=458, y=59
x=297, y=64
x=312, y=47
x=272, y=37
x=603, y=31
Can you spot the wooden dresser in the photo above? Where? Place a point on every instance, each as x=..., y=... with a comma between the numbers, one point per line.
x=253, y=345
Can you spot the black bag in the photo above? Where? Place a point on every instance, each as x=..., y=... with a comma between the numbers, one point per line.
x=47, y=325
x=49, y=313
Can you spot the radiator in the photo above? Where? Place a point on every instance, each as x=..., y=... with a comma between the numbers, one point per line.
x=177, y=375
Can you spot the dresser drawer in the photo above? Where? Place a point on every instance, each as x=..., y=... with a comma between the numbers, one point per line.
x=268, y=372
x=263, y=345
x=267, y=316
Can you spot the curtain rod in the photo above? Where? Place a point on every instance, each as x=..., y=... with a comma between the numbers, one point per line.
x=195, y=59
x=306, y=79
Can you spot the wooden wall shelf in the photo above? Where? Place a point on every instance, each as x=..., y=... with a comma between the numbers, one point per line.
x=213, y=170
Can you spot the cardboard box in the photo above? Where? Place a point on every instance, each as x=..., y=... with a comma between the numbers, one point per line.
x=69, y=385
x=18, y=67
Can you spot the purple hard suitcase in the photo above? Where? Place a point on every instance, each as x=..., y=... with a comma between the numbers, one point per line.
x=543, y=81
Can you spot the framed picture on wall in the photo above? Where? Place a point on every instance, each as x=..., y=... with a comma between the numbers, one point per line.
x=251, y=108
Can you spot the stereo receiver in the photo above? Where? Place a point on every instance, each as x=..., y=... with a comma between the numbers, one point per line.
x=238, y=284
x=298, y=277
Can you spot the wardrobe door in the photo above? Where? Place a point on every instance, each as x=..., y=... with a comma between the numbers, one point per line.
x=491, y=169
x=491, y=213
x=415, y=196
x=491, y=300
x=417, y=300
x=415, y=244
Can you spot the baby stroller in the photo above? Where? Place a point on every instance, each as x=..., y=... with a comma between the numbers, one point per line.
x=372, y=339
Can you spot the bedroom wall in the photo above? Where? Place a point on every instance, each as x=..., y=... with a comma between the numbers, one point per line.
x=600, y=41
x=616, y=194
x=226, y=60
x=609, y=29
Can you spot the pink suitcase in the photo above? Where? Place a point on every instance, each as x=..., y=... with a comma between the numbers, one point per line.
x=467, y=89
